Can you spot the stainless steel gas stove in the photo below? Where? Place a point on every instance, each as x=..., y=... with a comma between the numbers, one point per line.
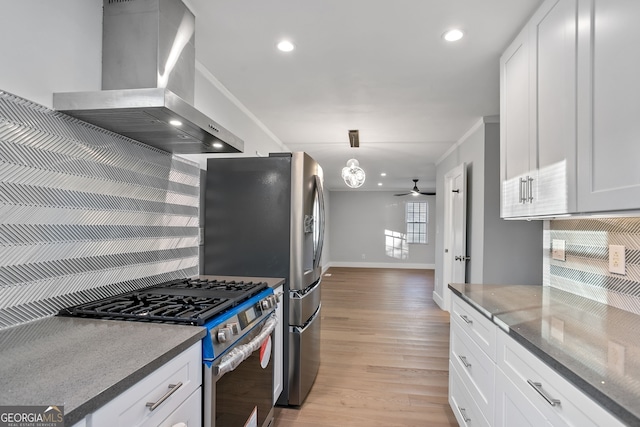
x=237, y=350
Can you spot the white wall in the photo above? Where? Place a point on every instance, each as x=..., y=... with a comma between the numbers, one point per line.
x=358, y=223
x=213, y=99
x=56, y=46
x=50, y=46
x=501, y=252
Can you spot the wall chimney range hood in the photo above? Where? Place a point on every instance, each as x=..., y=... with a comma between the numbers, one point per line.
x=148, y=74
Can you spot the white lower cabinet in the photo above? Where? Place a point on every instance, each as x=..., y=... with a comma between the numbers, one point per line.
x=189, y=413
x=466, y=410
x=513, y=408
x=475, y=368
x=513, y=389
x=557, y=400
x=169, y=396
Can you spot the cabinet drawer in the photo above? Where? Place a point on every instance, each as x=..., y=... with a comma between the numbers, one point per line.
x=560, y=401
x=465, y=409
x=130, y=408
x=189, y=413
x=476, y=369
x=480, y=329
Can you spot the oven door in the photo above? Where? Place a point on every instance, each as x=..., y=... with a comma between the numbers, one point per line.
x=239, y=386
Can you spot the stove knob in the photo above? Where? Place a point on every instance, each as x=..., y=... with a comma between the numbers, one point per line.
x=266, y=304
x=223, y=335
x=234, y=327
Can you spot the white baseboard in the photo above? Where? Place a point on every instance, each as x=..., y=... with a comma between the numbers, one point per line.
x=438, y=300
x=381, y=265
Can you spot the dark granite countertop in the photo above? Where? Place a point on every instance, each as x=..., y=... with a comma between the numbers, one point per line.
x=84, y=363
x=593, y=345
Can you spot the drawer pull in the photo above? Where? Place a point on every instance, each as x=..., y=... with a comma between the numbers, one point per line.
x=538, y=387
x=463, y=359
x=172, y=389
x=466, y=319
x=463, y=412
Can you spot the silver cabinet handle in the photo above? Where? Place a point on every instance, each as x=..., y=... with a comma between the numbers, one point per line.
x=172, y=389
x=522, y=190
x=538, y=387
x=530, y=189
x=463, y=412
x=466, y=319
x=463, y=359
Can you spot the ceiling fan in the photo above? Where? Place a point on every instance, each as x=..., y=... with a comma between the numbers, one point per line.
x=415, y=191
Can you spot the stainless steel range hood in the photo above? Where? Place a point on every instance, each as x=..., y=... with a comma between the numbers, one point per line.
x=148, y=74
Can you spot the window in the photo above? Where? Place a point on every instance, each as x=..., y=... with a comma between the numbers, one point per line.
x=417, y=220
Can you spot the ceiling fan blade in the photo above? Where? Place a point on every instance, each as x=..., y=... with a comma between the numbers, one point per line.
x=427, y=193
x=402, y=194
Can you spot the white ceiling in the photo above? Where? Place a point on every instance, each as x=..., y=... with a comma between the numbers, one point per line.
x=377, y=66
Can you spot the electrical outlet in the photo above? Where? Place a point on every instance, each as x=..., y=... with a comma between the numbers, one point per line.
x=557, y=251
x=364, y=256
x=616, y=259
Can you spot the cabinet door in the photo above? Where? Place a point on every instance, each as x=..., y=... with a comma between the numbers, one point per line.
x=515, y=139
x=552, y=37
x=608, y=124
x=512, y=406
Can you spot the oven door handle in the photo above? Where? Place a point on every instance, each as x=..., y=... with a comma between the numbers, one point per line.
x=240, y=353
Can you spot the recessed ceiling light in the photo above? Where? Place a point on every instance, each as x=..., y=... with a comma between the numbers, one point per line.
x=453, y=35
x=286, y=46
x=175, y=122
x=379, y=184
x=383, y=174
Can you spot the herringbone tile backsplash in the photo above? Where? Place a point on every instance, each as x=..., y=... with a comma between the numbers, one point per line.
x=586, y=269
x=86, y=213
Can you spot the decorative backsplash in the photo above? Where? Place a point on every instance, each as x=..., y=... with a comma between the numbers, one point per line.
x=586, y=269
x=86, y=213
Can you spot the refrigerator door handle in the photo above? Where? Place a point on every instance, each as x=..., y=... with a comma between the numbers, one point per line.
x=301, y=329
x=320, y=191
x=301, y=293
x=304, y=303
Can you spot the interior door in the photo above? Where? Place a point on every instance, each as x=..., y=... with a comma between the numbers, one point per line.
x=455, y=233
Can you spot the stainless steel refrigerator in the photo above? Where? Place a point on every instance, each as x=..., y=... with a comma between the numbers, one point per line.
x=264, y=216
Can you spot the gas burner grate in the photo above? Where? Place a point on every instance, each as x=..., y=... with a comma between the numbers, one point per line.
x=221, y=288
x=189, y=309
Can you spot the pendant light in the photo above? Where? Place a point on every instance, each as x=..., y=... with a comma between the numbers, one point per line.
x=353, y=174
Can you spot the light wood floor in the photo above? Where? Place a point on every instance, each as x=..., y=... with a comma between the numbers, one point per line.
x=384, y=358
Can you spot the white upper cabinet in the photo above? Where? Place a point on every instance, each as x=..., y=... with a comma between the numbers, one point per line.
x=517, y=150
x=609, y=111
x=538, y=114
